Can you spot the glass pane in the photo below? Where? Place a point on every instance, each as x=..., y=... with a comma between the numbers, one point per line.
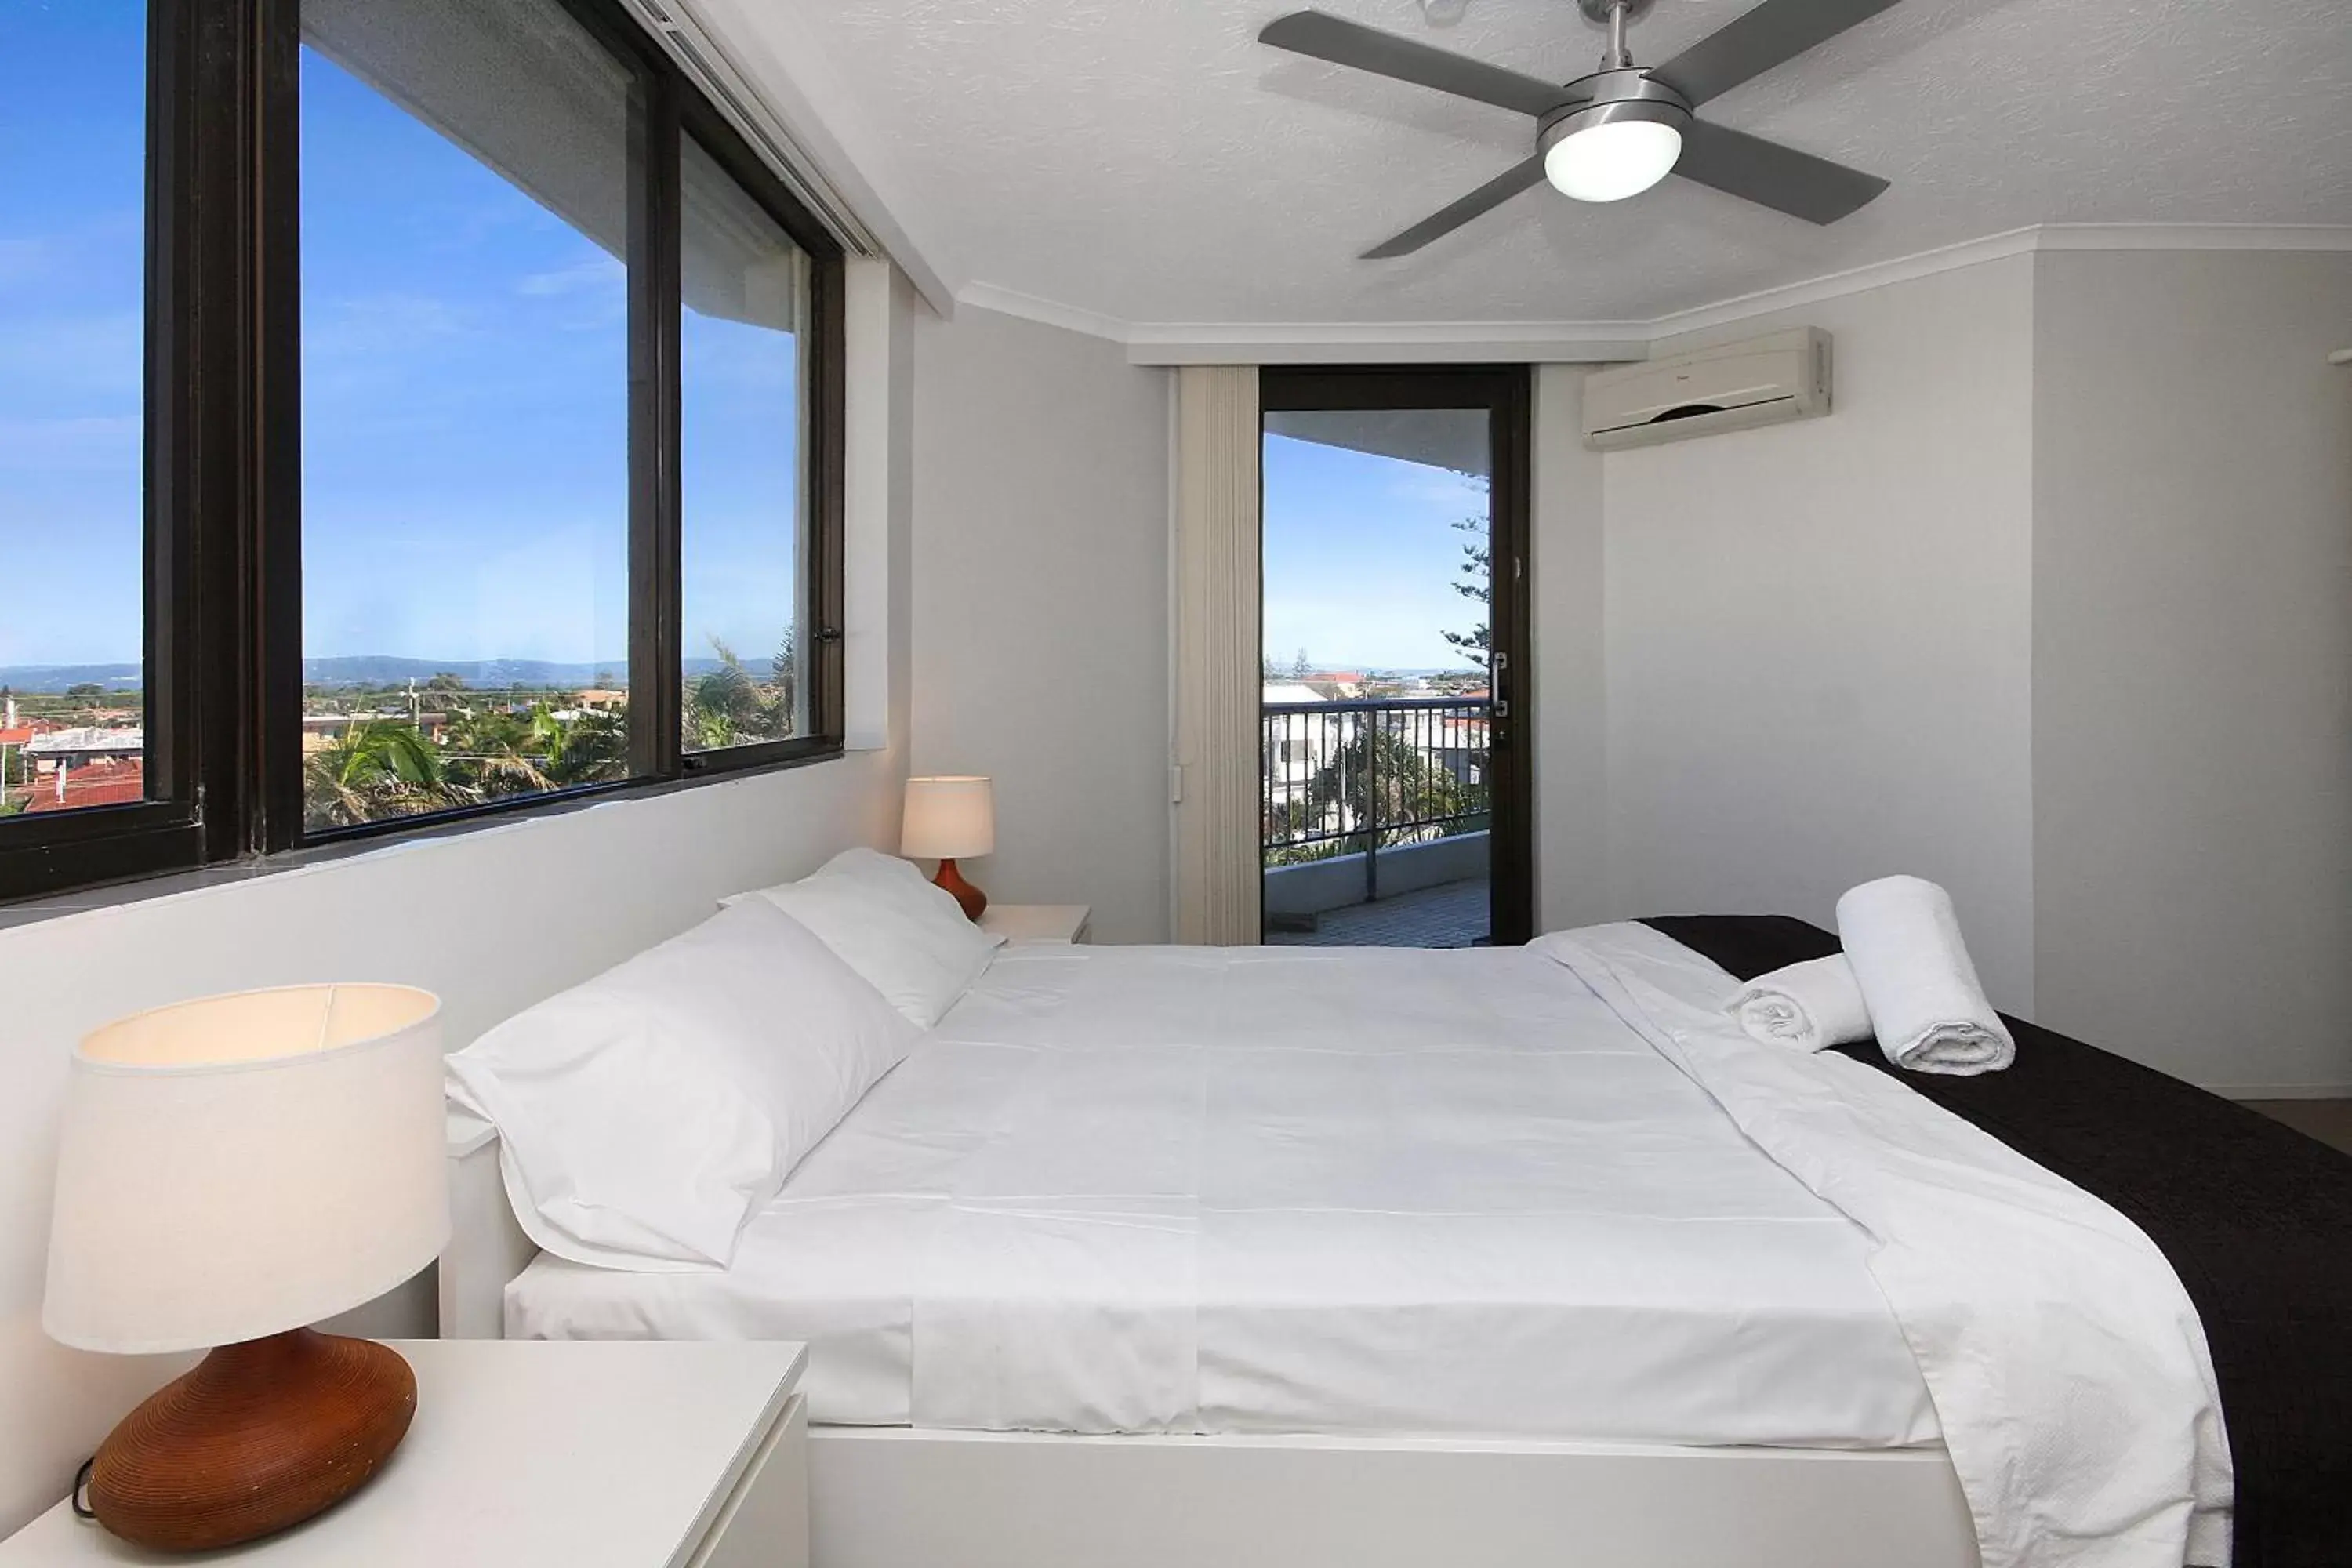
x=1373, y=788
x=465, y=171
x=741, y=351
x=73, y=172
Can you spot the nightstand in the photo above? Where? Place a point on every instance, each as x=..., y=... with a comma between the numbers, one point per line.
x=552, y=1454
x=1038, y=922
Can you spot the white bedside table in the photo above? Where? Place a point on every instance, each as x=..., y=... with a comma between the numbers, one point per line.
x=1037, y=922
x=538, y=1454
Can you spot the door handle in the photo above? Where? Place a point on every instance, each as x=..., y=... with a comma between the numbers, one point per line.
x=1499, y=700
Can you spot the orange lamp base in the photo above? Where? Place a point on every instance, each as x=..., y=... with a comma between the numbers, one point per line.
x=260, y=1437
x=975, y=901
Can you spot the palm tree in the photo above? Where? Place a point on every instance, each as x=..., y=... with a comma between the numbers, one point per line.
x=725, y=707
x=784, y=676
x=493, y=753
x=375, y=768
x=583, y=750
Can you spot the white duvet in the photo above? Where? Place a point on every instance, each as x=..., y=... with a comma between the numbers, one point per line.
x=2069, y=1370
x=1550, y=1191
x=1252, y=1190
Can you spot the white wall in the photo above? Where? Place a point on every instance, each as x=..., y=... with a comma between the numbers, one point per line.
x=491, y=920
x=1041, y=607
x=2193, y=638
x=1819, y=635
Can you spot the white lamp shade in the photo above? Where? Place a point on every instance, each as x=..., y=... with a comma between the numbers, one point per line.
x=238, y=1166
x=948, y=818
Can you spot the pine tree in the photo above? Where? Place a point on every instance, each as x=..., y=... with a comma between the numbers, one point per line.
x=1477, y=583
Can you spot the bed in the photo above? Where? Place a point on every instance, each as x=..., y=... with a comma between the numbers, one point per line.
x=1268, y=1190
x=1162, y=1255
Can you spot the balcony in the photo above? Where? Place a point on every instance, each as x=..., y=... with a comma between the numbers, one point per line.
x=1374, y=815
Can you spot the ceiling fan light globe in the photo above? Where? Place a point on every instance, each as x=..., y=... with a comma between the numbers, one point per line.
x=1614, y=159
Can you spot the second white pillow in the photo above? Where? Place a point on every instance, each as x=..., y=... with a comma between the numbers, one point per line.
x=880, y=916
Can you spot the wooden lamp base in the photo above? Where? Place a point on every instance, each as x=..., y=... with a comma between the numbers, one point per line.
x=260, y=1437
x=975, y=901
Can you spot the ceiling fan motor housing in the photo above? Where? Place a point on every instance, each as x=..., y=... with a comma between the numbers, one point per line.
x=1609, y=97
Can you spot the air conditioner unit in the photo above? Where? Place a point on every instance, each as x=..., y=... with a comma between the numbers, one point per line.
x=1765, y=381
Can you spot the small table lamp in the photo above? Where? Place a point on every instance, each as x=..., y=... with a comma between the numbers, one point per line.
x=229, y=1171
x=948, y=818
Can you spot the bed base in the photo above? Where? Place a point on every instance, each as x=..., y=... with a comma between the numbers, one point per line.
x=891, y=1497
x=895, y=1497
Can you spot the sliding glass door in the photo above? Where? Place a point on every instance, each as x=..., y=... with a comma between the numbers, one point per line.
x=1394, y=749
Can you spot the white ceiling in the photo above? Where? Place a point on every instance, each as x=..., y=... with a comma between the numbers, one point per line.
x=1148, y=162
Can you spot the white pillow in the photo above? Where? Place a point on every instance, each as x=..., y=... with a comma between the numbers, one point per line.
x=910, y=940
x=644, y=1116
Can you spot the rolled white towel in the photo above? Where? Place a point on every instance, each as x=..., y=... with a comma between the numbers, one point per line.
x=1810, y=1005
x=1926, y=1005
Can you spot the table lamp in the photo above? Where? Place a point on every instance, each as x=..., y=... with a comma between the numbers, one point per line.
x=229, y=1171
x=948, y=818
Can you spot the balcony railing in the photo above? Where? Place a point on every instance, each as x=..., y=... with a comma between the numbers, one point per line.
x=1355, y=777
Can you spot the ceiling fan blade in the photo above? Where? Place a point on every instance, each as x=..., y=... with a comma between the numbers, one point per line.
x=1326, y=38
x=1446, y=219
x=1773, y=175
x=1776, y=31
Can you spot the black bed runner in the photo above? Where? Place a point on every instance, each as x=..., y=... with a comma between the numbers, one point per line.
x=2255, y=1218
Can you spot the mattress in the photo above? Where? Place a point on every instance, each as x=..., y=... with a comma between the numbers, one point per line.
x=1347, y=1191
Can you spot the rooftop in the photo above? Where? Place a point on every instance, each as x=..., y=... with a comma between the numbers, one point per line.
x=90, y=740
x=99, y=783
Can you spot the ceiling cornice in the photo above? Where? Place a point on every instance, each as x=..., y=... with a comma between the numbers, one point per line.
x=820, y=111
x=1406, y=343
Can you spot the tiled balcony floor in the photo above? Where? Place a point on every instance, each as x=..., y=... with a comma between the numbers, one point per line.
x=1451, y=914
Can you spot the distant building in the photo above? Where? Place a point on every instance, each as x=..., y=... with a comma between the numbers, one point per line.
x=1294, y=748
x=75, y=748
x=321, y=730
x=14, y=738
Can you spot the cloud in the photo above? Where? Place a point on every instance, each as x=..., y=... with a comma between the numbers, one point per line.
x=364, y=327
x=46, y=358
x=48, y=449
x=21, y=260
x=1439, y=487
x=599, y=273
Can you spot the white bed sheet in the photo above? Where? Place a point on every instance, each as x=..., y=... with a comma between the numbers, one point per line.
x=1266, y=1190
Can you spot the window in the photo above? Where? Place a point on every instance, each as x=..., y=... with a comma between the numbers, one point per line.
x=743, y=337
x=409, y=410
x=73, y=185
x=464, y=424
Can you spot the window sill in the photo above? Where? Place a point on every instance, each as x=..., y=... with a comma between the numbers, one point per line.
x=37, y=907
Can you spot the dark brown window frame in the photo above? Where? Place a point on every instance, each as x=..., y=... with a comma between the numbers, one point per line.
x=223, y=671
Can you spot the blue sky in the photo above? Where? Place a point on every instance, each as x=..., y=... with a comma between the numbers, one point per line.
x=71, y=148
x=1361, y=556
x=465, y=385
x=465, y=483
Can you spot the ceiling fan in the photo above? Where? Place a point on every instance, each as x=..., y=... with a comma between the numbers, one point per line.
x=1621, y=129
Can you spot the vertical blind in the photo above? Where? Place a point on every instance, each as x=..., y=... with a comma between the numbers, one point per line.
x=1218, y=665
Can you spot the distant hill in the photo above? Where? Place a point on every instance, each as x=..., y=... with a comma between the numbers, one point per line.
x=487, y=674
x=368, y=670
x=56, y=678
x=484, y=674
